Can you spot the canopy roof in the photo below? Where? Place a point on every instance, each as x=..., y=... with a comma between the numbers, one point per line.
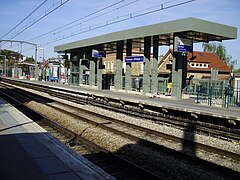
x=191, y=28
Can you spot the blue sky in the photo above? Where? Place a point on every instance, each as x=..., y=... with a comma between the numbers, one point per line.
x=13, y=11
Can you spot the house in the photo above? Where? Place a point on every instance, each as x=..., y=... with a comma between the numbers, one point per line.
x=110, y=62
x=200, y=65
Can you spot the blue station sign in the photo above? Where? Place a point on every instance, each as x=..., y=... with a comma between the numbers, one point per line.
x=184, y=45
x=130, y=59
x=98, y=54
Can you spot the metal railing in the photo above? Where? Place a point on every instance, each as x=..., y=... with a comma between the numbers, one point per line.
x=213, y=93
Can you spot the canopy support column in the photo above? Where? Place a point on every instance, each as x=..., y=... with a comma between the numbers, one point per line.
x=128, y=77
x=118, y=72
x=146, y=65
x=154, y=84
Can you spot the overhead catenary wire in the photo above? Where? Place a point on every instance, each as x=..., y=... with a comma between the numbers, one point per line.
x=24, y=19
x=82, y=18
x=40, y=17
x=118, y=20
x=122, y=18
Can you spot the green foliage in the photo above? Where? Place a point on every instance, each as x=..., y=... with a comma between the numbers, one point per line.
x=67, y=63
x=29, y=59
x=237, y=71
x=13, y=56
x=220, y=51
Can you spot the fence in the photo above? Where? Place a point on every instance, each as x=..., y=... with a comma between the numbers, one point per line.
x=213, y=93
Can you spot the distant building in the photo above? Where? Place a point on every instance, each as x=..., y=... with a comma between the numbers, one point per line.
x=200, y=65
x=110, y=62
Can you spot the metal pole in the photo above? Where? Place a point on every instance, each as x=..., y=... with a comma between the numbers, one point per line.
x=43, y=54
x=5, y=67
x=35, y=72
x=4, y=63
x=59, y=72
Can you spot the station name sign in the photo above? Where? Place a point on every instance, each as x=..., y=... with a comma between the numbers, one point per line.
x=183, y=45
x=98, y=54
x=130, y=59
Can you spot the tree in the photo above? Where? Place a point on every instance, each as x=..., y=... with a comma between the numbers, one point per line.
x=13, y=56
x=220, y=51
x=237, y=71
x=29, y=59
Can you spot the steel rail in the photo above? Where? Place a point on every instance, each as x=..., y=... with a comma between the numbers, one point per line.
x=208, y=128
x=130, y=168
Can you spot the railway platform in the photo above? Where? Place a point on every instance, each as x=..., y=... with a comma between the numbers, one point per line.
x=188, y=105
x=27, y=151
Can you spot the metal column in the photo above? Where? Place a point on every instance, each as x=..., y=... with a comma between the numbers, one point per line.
x=176, y=80
x=80, y=70
x=146, y=68
x=92, y=73
x=118, y=72
x=99, y=73
x=154, y=84
x=71, y=76
x=128, y=79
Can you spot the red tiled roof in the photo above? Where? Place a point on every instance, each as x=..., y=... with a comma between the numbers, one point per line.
x=208, y=58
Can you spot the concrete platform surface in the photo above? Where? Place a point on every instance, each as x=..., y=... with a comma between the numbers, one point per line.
x=27, y=151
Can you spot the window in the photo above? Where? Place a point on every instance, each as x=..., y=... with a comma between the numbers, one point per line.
x=112, y=65
x=104, y=63
x=142, y=68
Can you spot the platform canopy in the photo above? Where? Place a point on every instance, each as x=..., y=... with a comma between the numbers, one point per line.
x=194, y=29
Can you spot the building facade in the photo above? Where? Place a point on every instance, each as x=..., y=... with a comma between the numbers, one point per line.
x=199, y=66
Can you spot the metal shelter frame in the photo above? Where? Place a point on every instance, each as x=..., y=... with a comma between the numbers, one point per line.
x=156, y=35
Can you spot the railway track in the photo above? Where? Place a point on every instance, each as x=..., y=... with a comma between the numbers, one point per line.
x=115, y=165
x=106, y=123
x=216, y=129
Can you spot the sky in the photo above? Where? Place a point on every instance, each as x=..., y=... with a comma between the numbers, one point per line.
x=14, y=11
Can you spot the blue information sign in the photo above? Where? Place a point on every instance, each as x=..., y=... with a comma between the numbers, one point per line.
x=130, y=59
x=98, y=54
x=184, y=45
x=185, y=48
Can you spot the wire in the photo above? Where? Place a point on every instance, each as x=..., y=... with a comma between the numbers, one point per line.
x=123, y=18
x=119, y=19
x=40, y=17
x=86, y=16
x=97, y=16
x=24, y=19
x=89, y=15
x=45, y=14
